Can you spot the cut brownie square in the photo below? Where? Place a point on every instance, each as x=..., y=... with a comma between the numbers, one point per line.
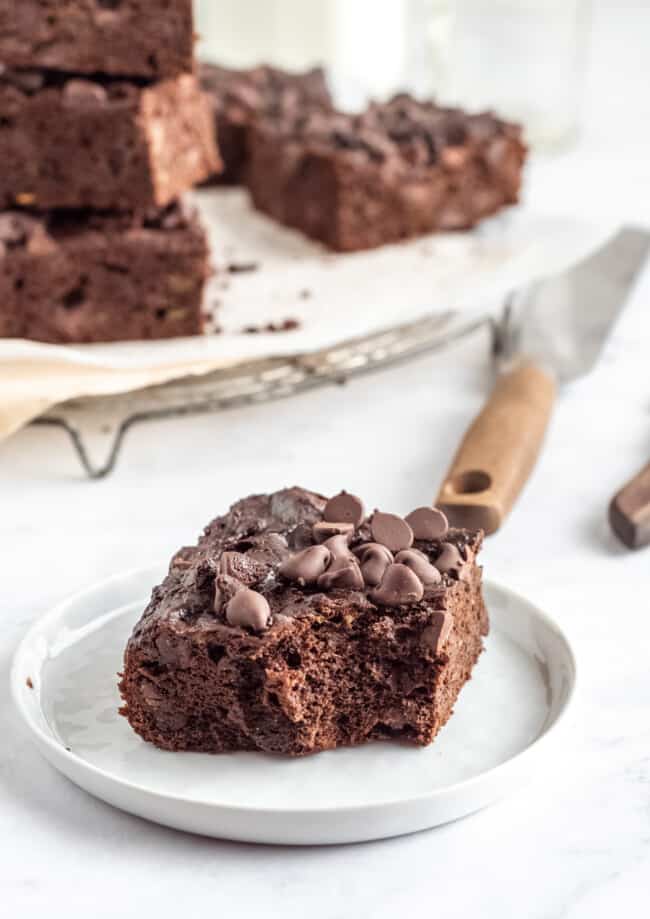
x=241, y=96
x=398, y=170
x=81, y=277
x=70, y=142
x=298, y=625
x=133, y=38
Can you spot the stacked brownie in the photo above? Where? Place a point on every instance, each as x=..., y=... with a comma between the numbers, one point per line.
x=103, y=126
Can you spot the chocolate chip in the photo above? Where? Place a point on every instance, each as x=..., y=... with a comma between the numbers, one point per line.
x=249, y=608
x=420, y=565
x=323, y=530
x=339, y=547
x=344, y=508
x=436, y=634
x=450, y=561
x=399, y=586
x=307, y=566
x=341, y=574
x=374, y=559
x=85, y=92
x=391, y=531
x=428, y=523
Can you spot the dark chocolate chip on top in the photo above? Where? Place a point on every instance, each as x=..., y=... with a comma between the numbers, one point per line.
x=249, y=608
x=322, y=531
x=391, y=531
x=344, y=508
x=428, y=523
x=399, y=586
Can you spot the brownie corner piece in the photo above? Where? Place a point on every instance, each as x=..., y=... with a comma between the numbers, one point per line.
x=152, y=39
x=72, y=142
x=77, y=276
x=400, y=169
x=298, y=624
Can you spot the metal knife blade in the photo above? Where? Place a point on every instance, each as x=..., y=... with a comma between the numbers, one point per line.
x=561, y=323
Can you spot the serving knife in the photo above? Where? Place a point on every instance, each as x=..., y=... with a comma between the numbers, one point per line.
x=553, y=332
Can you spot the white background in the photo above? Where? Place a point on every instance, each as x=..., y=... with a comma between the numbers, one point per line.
x=576, y=842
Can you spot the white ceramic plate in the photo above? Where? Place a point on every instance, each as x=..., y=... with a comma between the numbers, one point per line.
x=505, y=718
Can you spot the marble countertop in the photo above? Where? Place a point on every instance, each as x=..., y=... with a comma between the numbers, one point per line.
x=576, y=841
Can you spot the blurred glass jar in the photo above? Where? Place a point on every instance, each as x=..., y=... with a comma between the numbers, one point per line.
x=367, y=46
x=524, y=58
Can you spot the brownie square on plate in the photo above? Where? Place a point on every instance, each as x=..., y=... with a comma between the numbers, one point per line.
x=298, y=624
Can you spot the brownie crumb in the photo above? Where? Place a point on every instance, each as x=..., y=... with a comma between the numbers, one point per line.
x=287, y=325
x=29, y=682
x=242, y=267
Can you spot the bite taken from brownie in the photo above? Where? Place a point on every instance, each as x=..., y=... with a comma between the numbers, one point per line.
x=298, y=624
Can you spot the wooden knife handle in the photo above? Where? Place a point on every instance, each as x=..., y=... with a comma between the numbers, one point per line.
x=499, y=450
x=629, y=511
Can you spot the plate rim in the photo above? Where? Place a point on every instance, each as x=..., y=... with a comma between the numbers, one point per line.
x=48, y=740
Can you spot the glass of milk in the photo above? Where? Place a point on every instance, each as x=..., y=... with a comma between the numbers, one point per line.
x=524, y=58
x=365, y=45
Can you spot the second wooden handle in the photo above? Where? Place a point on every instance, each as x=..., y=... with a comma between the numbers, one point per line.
x=629, y=512
x=499, y=450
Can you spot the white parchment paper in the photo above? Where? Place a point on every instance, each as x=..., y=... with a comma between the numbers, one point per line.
x=333, y=297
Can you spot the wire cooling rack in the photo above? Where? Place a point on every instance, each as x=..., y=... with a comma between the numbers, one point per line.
x=97, y=425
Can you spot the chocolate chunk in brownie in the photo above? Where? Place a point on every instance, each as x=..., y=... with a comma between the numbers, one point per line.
x=399, y=169
x=100, y=143
x=134, y=38
x=77, y=276
x=241, y=96
x=298, y=624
